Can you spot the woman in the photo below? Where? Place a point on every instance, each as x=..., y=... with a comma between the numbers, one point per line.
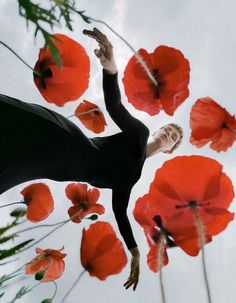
x=40, y=143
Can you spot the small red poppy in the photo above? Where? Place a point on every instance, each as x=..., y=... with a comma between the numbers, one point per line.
x=171, y=71
x=101, y=252
x=84, y=200
x=50, y=261
x=91, y=116
x=39, y=201
x=57, y=85
x=212, y=123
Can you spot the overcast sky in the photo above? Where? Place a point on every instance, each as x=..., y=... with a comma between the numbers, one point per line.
x=205, y=32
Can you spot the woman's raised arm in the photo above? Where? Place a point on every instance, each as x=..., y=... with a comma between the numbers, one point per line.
x=119, y=114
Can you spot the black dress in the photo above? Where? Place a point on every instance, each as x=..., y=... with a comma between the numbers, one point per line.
x=39, y=143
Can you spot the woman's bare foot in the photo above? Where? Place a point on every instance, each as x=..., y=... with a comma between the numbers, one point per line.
x=105, y=53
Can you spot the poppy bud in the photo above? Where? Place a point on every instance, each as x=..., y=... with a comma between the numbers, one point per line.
x=39, y=275
x=48, y=300
x=93, y=217
x=18, y=212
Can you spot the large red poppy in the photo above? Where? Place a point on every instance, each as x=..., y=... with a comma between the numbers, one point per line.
x=84, y=200
x=39, y=201
x=57, y=85
x=101, y=252
x=212, y=123
x=171, y=71
x=181, y=185
x=91, y=116
x=50, y=261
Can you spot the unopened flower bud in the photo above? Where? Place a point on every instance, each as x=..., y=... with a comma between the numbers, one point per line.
x=39, y=275
x=93, y=217
x=48, y=300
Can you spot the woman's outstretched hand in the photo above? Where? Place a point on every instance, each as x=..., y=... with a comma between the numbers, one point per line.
x=105, y=52
x=134, y=272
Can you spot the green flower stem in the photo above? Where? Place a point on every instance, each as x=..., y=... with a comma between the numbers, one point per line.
x=55, y=291
x=21, y=202
x=22, y=60
x=160, y=265
x=72, y=287
x=70, y=116
x=52, y=231
x=90, y=111
x=5, y=263
x=34, y=286
x=202, y=242
x=37, y=226
x=138, y=57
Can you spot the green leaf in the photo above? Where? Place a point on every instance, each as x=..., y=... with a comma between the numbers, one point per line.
x=21, y=292
x=7, y=238
x=18, y=212
x=6, y=228
x=12, y=251
x=5, y=278
x=48, y=300
x=56, y=57
x=2, y=294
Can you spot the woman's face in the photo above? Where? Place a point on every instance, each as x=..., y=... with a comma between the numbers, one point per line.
x=166, y=137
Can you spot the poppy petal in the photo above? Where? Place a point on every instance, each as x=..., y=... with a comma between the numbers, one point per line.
x=171, y=71
x=92, y=196
x=39, y=201
x=91, y=116
x=211, y=122
x=102, y=253
x=59, y=86
x=76, y=192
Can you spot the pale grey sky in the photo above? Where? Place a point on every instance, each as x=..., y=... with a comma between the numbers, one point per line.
x=204, y=32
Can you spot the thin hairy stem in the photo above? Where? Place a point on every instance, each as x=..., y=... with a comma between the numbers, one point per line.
x=52, y=231
x=202, y=242
x=38, y=226
x=21, y=202
x=138, y=57
x=22, y=60
x=72, y=287
x=160, y=265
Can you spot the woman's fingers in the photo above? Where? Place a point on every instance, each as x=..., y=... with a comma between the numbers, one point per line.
x=131, y=281
x=100, y=35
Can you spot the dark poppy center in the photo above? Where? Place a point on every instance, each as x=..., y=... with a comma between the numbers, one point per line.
x=192, y=204
x=170, y=242
x=83, y=204
x=47, y=73
x=157, y=88
x=223, y=125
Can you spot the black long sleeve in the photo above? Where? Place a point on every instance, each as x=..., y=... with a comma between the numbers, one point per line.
x=120, y=200
x=119, y=114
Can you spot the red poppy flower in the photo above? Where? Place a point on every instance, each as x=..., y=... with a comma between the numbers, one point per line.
x=91, y=116
x=170, y=69
x=49, y=261
x=39, y=201
x=101, y=252
x=57, y=85
x=188, y=182
x=84, y=201
x=212, y=123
